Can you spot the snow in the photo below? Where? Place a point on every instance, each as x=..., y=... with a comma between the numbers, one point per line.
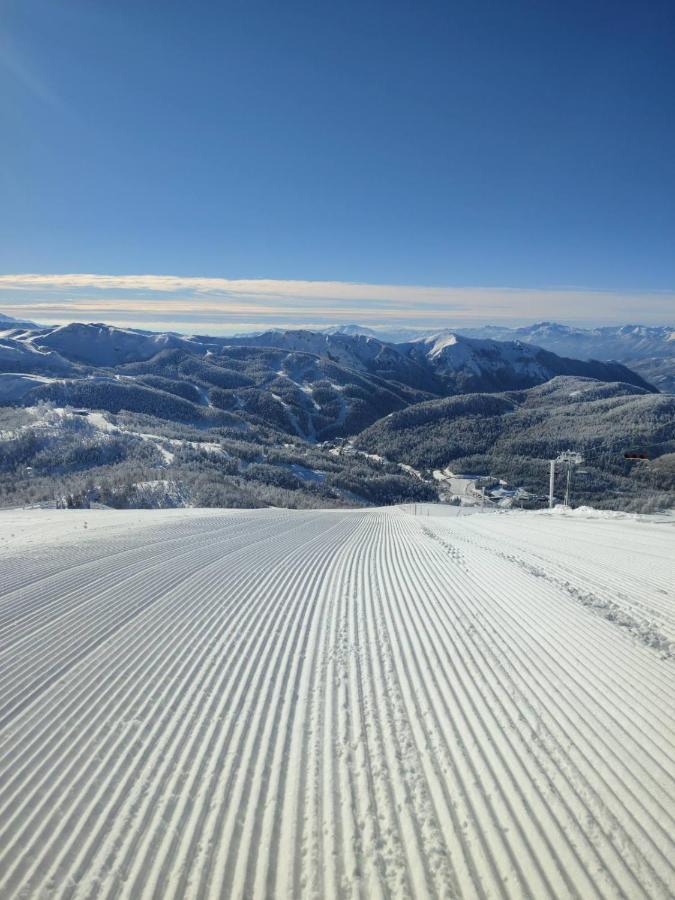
x=34, y=531
x=588, y=512
x=440, y=343
x=99, y=421
x=452, y=352
x=105, y=345
x=305, y=473
x=159, y=493
x=336, y=703
x=13, y=386
x=411, y=471
x=167, y=455
x=458, y=485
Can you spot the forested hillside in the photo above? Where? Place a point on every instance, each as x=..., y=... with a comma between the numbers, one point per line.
x=513, y=435
x=301, y=418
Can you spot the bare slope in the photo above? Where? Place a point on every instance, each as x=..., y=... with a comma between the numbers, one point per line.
x=277, y=703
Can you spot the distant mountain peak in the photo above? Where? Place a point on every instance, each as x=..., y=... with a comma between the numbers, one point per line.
x=648, y=350
x=351, y=329
x=7, y=322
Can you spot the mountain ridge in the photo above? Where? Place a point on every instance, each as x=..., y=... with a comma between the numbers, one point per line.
x=311, y=384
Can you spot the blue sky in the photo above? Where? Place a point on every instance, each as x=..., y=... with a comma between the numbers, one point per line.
x=523, y=150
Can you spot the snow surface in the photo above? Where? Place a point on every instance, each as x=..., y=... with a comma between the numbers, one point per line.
x=14, y=385
x=202, y=703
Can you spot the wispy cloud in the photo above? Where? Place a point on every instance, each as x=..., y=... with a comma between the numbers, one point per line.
x=223, y=304
x=18, y=67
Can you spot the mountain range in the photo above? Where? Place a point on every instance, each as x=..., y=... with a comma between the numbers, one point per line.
x=274, y=404
x=312, y=384
x=647, y=349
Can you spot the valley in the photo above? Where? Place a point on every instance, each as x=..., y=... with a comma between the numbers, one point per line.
x=94, y=413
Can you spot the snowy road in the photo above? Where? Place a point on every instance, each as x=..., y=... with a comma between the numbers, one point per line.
x=319, y=704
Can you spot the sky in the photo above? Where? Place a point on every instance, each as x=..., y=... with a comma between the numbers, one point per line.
x=222, y=166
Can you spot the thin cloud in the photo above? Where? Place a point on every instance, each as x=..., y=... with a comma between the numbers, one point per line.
x=26, y=74
x=226, y=304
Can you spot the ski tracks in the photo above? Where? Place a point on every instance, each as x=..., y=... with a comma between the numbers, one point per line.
x=337, y=704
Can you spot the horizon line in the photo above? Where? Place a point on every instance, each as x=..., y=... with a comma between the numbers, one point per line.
x=226, y=303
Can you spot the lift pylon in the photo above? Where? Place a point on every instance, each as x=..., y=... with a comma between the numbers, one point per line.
x=572, y=458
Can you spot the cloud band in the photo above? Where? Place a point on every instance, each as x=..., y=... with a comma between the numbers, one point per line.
x=229, y=304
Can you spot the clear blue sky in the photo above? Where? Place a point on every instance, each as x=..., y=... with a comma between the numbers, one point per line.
x=521, y=144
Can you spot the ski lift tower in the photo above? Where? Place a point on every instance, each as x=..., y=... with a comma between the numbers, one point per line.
x=571, y=458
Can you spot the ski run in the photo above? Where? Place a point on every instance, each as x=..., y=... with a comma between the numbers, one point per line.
x=366, y=703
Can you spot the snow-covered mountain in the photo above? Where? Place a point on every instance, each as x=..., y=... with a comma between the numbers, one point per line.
x=442, y=363
x=9, y=322
x=467, y=364
x=359, y=352
x=506, y=432
x=611, y=342
x=647, y=349
x=311, y=384
x=382, y=333
x=351, y=330
x=97, y=344
x=19, y=354
x=262, y=419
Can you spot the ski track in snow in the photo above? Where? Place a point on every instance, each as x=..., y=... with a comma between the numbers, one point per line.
x=277, y=703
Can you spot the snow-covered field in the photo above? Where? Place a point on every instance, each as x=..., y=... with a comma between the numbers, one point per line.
x=365, y=703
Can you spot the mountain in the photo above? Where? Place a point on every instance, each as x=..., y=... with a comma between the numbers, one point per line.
x=9, y=322
x=352, y=330
x=614, y=342
x=538, y=420
x=465, y=364
x=444, y=363
x=153, y=446
x=358, y=352
x=382, y=333
x=17, y=354
x=512, y=435
x=647, y=350
x=297, y=392
x=104, y=345
x=310, y=384
x=129, y=417
x=341, y=387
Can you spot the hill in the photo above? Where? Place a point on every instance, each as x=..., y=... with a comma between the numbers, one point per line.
x=511, y=435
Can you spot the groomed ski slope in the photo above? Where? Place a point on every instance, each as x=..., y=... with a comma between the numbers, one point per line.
x=328, y=704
